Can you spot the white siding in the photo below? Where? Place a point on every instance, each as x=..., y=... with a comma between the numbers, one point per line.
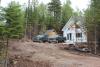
x=74, y=39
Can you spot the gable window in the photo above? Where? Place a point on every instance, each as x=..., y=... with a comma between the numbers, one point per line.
x=78, y=35
x=68, y=28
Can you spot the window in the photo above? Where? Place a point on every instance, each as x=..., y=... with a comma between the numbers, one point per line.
x=78, y=35
x=69, y=36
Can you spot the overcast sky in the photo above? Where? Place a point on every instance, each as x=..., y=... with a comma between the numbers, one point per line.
x=76, y=4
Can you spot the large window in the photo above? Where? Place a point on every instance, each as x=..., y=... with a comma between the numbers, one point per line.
x=69, y=36
x=78, y=35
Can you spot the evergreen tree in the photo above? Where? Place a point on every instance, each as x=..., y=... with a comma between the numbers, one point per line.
x=67, y=12
x=55, y=9
x=92, y=15
x=2, y=21
x=95, y=5
x=42, y=12
x=15, y=20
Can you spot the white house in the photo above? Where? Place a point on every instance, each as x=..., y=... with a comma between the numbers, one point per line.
x=75, y=31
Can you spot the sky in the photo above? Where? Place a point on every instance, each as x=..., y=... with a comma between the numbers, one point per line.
x=76, y=4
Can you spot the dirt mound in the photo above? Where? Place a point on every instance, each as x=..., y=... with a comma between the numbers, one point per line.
x=18, y=61
x=32, y=54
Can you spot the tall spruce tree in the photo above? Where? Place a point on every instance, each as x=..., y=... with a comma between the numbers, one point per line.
x=15, y=20
x=55, y=9
x=95, y=4
x=67, y=12
x=42, y=12
x=92, y=15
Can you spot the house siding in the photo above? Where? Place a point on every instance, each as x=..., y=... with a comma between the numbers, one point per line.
x=73, y=36
x=73, y=26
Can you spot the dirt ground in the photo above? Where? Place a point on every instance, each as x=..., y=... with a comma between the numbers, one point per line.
x=49, y=53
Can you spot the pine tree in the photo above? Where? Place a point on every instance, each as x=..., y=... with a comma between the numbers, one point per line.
x=15, y=20
x=55, y=9
x=92, y=15
x=67, y=12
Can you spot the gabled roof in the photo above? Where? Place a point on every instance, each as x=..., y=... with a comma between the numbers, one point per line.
x=78, y=20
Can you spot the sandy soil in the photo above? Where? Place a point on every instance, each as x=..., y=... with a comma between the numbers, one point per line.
x=52, y=53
